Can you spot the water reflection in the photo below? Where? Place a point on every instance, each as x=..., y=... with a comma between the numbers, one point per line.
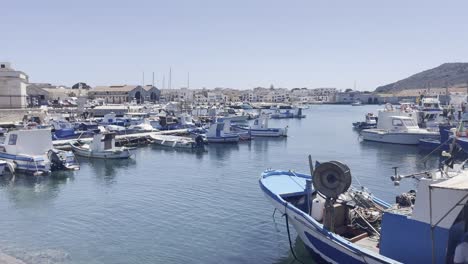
x=396, y=155
x=27, y=191
x=301, y=253
x=107, y=169
x=222, y=151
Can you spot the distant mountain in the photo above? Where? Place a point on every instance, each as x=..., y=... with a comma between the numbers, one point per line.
x=451, y=74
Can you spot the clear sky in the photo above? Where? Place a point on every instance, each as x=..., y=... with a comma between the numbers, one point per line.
x=238, y=43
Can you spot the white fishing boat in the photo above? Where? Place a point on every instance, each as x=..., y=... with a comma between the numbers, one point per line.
x=217, y=134
x=177, y=141
x=31, y=151
x=398, y=128
x=357, y=103
x=102, y=146
x=260, y=128
x=347, y=224
x=431, y=112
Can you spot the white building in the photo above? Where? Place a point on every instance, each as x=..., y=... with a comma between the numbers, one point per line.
x=12, y=87
x=216, y=96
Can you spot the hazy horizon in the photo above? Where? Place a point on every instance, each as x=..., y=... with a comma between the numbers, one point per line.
x=241, y=44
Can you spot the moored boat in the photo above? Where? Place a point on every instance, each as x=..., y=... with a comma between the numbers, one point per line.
x=260, y=128
x=102, y=146
x=398, y=128
x=178, y=142
x=31, y=151
x=218, y=134
x=345, y=224
x=369, y=122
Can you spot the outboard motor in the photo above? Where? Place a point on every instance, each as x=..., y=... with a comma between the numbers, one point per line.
x=199, y=142
x=62, y=160
x=56, y=162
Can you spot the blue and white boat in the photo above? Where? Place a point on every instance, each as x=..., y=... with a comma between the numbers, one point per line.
x=442, y=143
x=217, y=134
x=260, y=128
x=344, y=224
x=31, y=151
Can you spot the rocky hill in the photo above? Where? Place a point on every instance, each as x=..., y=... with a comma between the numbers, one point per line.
x=451, y=74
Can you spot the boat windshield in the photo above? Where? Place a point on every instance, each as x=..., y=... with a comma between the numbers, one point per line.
x=409, y=122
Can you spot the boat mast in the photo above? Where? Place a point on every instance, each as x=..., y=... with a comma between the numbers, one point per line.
x=170, y=78
x=188, y=80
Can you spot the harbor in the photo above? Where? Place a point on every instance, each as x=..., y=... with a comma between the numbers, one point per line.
x=233, y=132
x=172, y=205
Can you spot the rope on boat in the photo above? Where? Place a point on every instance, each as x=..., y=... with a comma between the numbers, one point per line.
x=289, y=234
x=424, y=159
x=298, y=184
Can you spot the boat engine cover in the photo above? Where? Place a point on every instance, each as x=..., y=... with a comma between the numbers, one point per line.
x=332, y=178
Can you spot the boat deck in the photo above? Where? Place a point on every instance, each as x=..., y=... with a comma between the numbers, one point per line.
x=370, y=243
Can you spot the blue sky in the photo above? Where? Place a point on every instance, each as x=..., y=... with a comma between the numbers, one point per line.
x=239, y=44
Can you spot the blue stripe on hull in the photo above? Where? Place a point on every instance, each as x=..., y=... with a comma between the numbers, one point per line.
x=329, y=251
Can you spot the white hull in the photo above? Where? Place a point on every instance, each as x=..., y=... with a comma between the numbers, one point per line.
x=25, y=163
x=122, y=153
x=230, y=139
x=302, y=224
x=174, y=141
x=269, y=132
x=403, y=138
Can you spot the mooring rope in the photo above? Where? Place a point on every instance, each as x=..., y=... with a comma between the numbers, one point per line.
x=289, y=234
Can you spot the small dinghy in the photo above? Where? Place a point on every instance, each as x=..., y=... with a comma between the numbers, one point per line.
x=345, y=224
x=178, y=142
x=102, y=146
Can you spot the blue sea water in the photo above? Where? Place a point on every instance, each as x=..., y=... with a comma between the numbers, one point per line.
x=173, y=206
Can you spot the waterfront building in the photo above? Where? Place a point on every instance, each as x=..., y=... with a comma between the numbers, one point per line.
x=42, y=93
x=13, y=85
x=118, y=94
x=349, y=97
x=177, y=95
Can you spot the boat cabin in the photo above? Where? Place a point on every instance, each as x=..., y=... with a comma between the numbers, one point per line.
x=32, y=142
x=397, y=123
x=371, y=118
x=103, y=141
x=261, y=122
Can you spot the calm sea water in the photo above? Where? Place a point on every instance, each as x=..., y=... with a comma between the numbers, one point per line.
x=172, y=206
